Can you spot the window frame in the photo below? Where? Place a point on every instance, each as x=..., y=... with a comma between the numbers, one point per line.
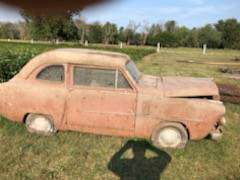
x=116, y=69
x=139, y=73
x=33, y=76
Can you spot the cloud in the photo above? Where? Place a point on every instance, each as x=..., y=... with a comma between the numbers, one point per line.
x=203, y=11
x=197, y=2
x=198, y=11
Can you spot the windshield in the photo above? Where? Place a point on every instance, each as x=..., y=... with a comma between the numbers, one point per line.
x=132, y=69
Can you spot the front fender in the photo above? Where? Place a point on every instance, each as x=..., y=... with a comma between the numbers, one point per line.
x=205, y=120
x=197, y=115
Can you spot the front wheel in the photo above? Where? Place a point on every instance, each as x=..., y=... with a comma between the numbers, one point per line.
x=40, y=124
x=170, y=135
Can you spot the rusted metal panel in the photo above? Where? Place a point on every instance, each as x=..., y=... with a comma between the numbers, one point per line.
x=181, y=86
x=101, y=109
x=197, y=114
x=20, y=98
x=189, y=87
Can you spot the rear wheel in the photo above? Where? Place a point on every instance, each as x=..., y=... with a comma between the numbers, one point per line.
x=170, y=135
x=40, y=124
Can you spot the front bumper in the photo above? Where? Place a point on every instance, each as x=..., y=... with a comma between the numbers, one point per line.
x=222, y=121
x=217, y=133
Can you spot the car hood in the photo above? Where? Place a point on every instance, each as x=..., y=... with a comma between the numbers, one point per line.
x=181, y=86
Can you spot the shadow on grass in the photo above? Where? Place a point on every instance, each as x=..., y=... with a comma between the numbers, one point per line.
x=140, y=166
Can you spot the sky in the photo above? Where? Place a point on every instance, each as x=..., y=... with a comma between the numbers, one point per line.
x=190, y=13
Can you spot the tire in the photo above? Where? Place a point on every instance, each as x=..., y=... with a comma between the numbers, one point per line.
x=40, y=124
x=170, y=135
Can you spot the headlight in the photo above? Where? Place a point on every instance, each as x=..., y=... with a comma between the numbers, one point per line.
x=223, y=121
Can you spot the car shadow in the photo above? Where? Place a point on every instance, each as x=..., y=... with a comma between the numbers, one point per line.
x=139, y=166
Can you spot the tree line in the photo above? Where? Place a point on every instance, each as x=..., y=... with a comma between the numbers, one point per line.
x=69, y=27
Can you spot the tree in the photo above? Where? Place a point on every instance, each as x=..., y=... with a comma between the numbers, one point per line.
x=82, y=29
x=146, y=31
x=210, y=36
x=230, y=30
x=9, y=31
x=181, y=35
x=137, y=39
x=22, y=29
x=170, y=26
x=223, y=34
x=121, y=36
x=167, y=39
x=130, y=31
x=155, y=30
x=47, y=27
x=95, y=33
x=110, y=33
x=192, y=38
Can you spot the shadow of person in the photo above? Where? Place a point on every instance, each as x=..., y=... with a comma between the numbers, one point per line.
x=139, y=167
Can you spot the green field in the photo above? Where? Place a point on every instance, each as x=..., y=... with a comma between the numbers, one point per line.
x=73, y=155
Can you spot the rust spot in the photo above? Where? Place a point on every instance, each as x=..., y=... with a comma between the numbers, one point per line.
x=146, y=108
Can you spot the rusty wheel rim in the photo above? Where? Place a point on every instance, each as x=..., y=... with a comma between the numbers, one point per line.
x=40, y=124
x=169, y=137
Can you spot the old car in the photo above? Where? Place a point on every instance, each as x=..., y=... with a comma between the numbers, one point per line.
x=104, y=93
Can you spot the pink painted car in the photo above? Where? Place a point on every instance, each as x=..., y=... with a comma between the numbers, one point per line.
x=104, y=93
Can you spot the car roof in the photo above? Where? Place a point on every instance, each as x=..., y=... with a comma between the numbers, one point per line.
x=80, y=51
x=88, y=56
x=76, y=56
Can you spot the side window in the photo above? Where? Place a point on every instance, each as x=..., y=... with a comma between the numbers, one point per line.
x=52, y=73
x=94, y=77
x=122, y=82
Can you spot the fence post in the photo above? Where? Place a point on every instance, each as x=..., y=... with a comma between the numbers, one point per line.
x=204, y=49
x=86, y=43
x=158, y=47
x=121, y=45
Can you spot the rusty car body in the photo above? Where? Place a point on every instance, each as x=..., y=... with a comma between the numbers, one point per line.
x=104, y=93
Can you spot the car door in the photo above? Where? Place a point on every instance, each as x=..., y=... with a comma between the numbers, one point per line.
x=101, y=101
x=45, y=92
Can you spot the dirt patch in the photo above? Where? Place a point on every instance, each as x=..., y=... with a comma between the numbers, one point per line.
x=229, y=70
x=236, y=59
x=235, y=76
x=233, y=73
x=210, y=63
x=229, y=93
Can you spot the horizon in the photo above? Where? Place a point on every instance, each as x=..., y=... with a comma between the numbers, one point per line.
x=189, y=13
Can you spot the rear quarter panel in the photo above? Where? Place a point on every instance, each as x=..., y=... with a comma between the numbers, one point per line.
x=24, y=97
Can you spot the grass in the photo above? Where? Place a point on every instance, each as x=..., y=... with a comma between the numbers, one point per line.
x=73, y=155
x=167, y=63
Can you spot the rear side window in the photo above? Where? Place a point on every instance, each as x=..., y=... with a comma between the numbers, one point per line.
x=94, y=77
x=52, y=73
